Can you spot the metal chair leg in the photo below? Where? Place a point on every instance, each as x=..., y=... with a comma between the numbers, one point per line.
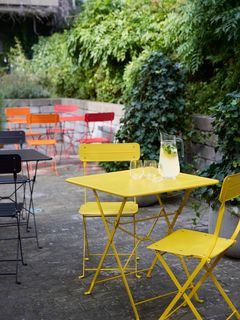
x=85, y=248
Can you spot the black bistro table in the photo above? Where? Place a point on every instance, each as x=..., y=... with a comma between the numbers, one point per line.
x=32, y=158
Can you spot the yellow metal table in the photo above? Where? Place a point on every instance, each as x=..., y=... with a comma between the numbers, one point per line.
x=121, y=184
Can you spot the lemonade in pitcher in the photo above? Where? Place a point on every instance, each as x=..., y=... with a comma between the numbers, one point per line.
x=168, y=162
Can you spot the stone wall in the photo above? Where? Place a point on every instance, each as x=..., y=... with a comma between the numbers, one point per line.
x=85, y=106
x=31, y=2
x=200, y=152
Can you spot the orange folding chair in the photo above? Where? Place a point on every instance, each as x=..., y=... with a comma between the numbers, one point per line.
x=207, y=249
x=90, y=120
x=45, y=140
x=16, y=117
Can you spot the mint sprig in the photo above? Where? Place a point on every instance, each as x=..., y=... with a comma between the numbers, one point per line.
x=170, y=149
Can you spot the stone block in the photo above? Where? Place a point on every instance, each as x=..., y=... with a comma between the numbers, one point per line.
x=202, y=122
x=203, y=151
x=201, y=163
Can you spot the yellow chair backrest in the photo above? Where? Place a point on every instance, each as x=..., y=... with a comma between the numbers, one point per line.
x=109, y=152
x=230, y=190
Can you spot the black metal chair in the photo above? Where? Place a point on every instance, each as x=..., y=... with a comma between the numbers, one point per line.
x=12, y=137
x=10, y=207
x=18, y=139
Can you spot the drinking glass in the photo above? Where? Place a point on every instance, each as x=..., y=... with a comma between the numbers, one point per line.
x=136, y=169
x=150, y=169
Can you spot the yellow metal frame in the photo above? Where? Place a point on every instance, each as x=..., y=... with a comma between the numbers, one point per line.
x=208, y=249
x=107, y=153
x=127, y=188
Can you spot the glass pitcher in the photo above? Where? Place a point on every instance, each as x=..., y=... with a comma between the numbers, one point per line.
x=168, y=159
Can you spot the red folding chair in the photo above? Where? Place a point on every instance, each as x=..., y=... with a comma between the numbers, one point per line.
x=90, y=133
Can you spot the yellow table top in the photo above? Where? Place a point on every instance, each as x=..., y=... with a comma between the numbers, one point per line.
x=121, y=184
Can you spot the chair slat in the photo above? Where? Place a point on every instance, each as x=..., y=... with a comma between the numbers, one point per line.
x=230, y=188
x=109, y=152
x=12, y=137
x=95, y=117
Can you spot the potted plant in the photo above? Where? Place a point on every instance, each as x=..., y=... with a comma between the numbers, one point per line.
x=226, y=116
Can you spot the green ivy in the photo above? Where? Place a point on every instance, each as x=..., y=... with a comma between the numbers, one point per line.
x=226, y=126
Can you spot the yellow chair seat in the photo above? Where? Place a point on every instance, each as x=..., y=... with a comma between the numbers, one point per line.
x=191, y=243
x=110, y=209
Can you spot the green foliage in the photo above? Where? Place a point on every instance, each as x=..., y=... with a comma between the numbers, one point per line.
x=226, y=126
x=119, y=30
x=110, y=34
x=204, y=32
x=17, y=58
x=132, y=73
x=155, y=104
x=201, y=95
x=52, y=63
x=21, y=82
x=19, y=86
x=88, y=61
x=205, y=37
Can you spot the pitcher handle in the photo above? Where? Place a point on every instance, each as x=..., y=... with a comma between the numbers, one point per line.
x=182, y=146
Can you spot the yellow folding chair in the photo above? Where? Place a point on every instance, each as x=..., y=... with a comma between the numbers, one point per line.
x=106, y=153
x=208, y=249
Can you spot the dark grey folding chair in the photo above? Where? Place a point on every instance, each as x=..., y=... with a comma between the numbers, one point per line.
x=18, y=139
x=10, y=207
x=12, y=137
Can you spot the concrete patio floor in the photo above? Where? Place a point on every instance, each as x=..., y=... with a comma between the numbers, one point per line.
x=51, y=289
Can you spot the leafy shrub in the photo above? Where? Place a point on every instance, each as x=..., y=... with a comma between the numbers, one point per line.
x=19, y=86
x=205, y=37
x=204, y=32
x=108, y=35
x=201, y=95
x=21, y=82
x=53, y=64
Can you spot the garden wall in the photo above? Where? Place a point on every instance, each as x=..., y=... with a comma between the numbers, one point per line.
x=200, y=151
x=202, y=148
